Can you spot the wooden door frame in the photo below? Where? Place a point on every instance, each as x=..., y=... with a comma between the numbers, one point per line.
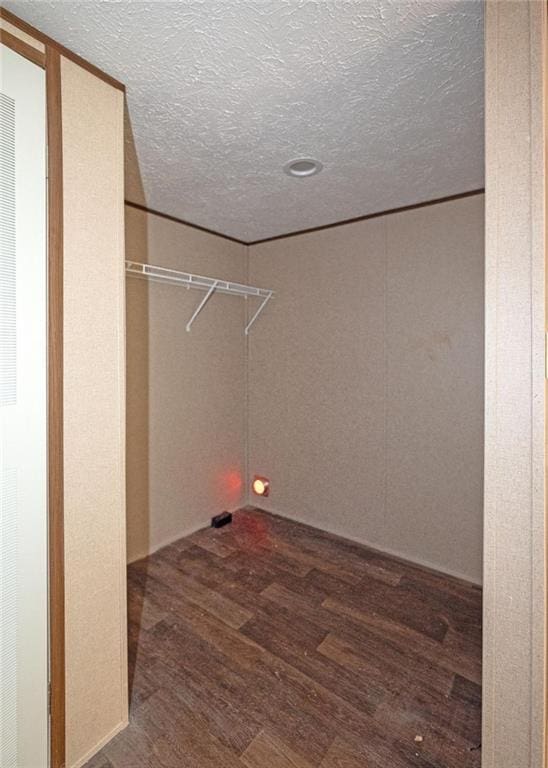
x=55, y=408
x=47, y=54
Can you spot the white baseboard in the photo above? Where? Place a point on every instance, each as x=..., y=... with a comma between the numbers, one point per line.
x=406, y=558
x=166, y=542
x=179, y=535
x=423, y=563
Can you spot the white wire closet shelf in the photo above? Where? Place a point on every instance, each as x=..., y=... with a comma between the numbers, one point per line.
x=208, y=284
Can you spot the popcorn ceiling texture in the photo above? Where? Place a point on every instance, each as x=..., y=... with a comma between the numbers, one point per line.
x=221, y=93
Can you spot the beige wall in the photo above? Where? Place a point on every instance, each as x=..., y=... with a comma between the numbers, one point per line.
x=94, y=395
x=185, y=391
x=366, y=382
x=514, y=683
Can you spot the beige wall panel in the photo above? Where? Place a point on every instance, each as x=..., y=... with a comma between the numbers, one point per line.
x=26, y=38
x=316, y=386
x=94, y=398
x=185, y=391
x=358, y=373
x=434, y=385
x=514, y=577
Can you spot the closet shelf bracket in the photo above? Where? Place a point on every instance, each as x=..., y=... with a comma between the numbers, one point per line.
x=209, y=284
x=262, y=305
x=200, y=306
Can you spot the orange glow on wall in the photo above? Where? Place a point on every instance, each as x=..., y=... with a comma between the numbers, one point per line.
x=261, y=486
x=229, y=486
x=233, y=481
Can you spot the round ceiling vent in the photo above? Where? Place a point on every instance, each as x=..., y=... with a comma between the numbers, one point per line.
x=303, y=167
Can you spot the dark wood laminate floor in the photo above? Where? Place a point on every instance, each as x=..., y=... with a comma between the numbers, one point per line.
x=269, y=644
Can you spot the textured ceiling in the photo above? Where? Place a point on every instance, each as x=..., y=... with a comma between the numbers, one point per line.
x=222, y=93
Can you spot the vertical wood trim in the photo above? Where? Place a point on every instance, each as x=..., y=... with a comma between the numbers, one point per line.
x=22, y=48
x=55, y=407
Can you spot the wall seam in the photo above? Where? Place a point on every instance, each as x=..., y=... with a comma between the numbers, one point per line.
x=489, y=703
x=532, y=404
x=246, y=497
x=385, y=367
x=496, y=402
x=537, y=22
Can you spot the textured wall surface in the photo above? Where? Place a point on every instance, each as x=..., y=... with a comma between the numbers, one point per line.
x=366, y=382
x=94, y=417
x=185, y=391
x=387, y=94
x=514, y=683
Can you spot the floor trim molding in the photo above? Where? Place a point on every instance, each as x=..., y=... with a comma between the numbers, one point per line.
x=405, y=559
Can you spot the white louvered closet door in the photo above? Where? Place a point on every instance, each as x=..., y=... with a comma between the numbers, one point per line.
x=23, y=479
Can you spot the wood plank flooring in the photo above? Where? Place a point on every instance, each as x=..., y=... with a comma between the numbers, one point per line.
x=269, y=644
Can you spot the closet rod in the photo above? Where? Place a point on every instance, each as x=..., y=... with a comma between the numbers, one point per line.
x=209, y=284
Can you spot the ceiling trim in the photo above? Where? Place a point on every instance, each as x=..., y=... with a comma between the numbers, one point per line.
x=356, y=219
x=23, y=49
x=169, y=217
x=68, y=54
x=375, y=215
